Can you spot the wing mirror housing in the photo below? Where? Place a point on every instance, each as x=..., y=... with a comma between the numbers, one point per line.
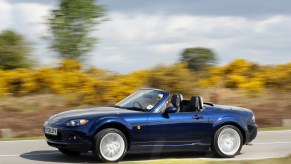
x=170, y=110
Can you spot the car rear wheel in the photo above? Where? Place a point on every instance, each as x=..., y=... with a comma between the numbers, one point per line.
x=110, y=145
x=227, y=141
x=69, y=152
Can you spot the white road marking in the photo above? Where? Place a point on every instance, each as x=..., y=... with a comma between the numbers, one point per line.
x=27, y=154
x=274, y=131
x=271, y=143
x=24, y=140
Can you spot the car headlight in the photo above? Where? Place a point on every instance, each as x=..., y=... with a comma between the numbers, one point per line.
x=254, y=118
x=77, y=122
x=45, y=123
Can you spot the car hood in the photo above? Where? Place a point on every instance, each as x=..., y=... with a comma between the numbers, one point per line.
x=88, y=113
x=232, y=108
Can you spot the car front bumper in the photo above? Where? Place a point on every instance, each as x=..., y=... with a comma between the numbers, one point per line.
x=253, y=130
x=70, y=139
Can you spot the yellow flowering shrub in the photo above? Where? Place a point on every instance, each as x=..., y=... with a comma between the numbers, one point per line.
x=233, y=80
x=175, y=78
x=239, y=67
x=215, y=77
x=98, y=86
x=253, y=87
x=279, y=76
x=18, y=82
x=124, y=85
x=3, y=83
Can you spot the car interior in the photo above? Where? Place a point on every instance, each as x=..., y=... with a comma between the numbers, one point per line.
x=194, y=104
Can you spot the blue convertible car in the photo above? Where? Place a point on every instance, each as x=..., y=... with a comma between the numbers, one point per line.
x=149, y=120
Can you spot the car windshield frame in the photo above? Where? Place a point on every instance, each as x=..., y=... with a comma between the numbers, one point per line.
x=128, y=102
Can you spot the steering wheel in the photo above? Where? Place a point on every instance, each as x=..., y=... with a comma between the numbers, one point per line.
x=138, y=103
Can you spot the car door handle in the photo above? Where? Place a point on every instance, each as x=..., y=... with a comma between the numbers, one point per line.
x=197, y=117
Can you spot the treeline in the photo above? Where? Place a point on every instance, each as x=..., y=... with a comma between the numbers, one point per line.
x=97, y=86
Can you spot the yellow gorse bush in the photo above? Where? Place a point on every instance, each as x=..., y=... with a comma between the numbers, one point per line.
x=17, y=82
x=79, y=86
x=176, y=78
x=100, y=86
x=249, y=77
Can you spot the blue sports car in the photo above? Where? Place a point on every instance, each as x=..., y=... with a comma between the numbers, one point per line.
x=152, y=120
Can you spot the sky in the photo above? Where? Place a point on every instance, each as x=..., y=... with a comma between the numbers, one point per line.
x=141, y=34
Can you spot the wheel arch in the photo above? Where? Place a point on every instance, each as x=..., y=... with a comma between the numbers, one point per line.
x=243, y=132
x=116, y=125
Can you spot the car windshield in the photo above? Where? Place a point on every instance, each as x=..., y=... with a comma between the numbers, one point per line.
x=143, y=100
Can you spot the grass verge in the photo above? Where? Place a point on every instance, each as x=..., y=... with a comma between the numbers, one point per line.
x=285, y=160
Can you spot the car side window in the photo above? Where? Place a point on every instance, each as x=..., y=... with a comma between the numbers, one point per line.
x=163, y=108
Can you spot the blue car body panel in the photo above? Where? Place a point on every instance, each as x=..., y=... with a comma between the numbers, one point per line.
x=153, y=130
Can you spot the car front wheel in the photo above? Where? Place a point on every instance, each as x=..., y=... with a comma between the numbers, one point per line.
x=227, y=141
x=110, y=145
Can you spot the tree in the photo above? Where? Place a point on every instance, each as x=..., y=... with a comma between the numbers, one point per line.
x=70, y=25
x=198, y=59
x=14, y=51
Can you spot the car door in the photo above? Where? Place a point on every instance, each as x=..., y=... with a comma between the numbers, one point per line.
x=201, y=127
x=186, y=128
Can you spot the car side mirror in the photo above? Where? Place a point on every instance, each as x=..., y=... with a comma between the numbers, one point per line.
x=170, y=110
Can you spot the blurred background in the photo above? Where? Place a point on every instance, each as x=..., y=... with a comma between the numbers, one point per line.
x=66, y=54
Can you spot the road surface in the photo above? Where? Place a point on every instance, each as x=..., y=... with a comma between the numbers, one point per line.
x=268, y=144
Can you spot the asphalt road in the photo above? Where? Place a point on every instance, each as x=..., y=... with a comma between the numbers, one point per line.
x=267, y=145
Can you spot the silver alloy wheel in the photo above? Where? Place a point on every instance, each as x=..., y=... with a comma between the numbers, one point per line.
x=229, y=141
x=112, y=146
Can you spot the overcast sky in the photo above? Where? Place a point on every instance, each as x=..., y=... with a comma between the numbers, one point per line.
x=143, y=33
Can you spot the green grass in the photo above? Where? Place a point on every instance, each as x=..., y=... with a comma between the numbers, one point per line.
x=22, y=138
x=285, y=160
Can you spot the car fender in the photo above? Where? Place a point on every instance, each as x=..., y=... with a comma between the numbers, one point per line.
x=238, y=121
x=108, y=120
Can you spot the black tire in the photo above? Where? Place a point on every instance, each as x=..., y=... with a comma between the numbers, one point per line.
x=69, y=152
x=215, y=147
x=97, y=141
